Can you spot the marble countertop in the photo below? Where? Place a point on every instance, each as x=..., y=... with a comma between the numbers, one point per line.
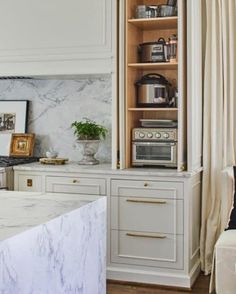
x=106, y=169
x=21, y=211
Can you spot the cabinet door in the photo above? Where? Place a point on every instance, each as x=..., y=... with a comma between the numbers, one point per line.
x=76, y=185
x=151, y=189
x=147, y=249
x=28, y=183
x=195, y=99
x=76, y=33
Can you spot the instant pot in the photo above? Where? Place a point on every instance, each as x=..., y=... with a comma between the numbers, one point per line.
x=153, y=90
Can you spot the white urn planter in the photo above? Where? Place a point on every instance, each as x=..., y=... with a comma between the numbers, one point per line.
x=90, y=148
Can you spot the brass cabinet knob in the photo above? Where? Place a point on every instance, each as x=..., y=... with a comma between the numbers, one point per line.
x=29, y=183
x=145, y=184
x=75, y=181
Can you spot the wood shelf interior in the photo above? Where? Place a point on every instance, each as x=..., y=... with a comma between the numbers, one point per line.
x=139, y=31
x=160, y=23
x=155, y=66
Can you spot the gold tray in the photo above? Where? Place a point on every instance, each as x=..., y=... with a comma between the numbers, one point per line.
x=56, y=161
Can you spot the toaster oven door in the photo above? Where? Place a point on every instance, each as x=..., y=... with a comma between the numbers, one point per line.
x=155, y=153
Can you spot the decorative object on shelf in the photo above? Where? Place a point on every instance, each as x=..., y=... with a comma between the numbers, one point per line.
x=13, y=119
x=147, y=11
x=22, y=145
x=153, y=91
x=153, y=51
x=89, y=135
x=51, y=153
x=167, y=10
x=55, y=161
x=153, y=11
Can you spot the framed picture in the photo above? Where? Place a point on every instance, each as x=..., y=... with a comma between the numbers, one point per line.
x=22, y=145
x=13, y=119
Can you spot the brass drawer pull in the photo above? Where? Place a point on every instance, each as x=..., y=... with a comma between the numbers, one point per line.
x=153, y=236
x=75, y=181
x=145, y=184
x=146, y=201
x=29, y=183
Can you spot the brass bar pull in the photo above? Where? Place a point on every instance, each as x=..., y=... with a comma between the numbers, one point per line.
x=75, y=181
x=29, y=183
x=154, y=236
x=146, y=201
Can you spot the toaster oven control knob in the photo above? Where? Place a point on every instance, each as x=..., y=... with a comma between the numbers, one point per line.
x=158, y=135
x=150, y=135
x=141, y=135
x=166, y=135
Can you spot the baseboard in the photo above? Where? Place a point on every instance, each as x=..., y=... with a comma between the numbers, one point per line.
x=180, y=280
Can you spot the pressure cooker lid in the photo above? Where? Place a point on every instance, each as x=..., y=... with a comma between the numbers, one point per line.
x=151, y=79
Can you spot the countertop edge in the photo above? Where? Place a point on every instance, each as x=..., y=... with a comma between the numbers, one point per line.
x=104, y=169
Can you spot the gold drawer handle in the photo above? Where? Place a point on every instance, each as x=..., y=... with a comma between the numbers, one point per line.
x=153, y=236
x=75, y=181
x=146, y=201
x=29, y=183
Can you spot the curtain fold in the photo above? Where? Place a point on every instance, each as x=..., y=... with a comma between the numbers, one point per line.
x=219, y=116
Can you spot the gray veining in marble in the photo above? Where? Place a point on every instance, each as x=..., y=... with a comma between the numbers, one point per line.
x=55, y=104
x=60, y=248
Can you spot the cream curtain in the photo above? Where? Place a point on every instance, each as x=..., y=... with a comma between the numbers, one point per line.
x=219, y=121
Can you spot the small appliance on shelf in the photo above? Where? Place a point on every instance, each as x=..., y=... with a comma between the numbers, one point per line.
x=153, y=90
x=154, y=147
x=155, y=51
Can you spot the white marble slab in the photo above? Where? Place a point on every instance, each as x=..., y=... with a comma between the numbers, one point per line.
x=52, y=244
x=55, y=104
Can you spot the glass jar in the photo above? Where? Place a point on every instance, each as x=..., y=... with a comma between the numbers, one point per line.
x=172, y=48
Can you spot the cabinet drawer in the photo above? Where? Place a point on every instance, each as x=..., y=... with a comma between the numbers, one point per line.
x=152, y=189
x=76, y=185
x=147, y=249
x=147, y=214
x=29, y=183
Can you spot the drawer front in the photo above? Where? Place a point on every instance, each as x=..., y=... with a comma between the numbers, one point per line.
x=152, y=189
x=147, y=249
x=147, y=214
x=29, y=183
x=76, y=185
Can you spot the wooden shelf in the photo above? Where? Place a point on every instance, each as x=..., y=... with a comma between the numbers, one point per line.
x=153, y=109
x=161, y=65
x=160, y=23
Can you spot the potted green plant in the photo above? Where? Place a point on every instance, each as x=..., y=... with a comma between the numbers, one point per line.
x=89, y=135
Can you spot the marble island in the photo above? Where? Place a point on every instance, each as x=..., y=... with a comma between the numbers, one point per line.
x=52, y=243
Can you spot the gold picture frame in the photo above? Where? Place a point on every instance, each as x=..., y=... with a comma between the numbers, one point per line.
x=22, y=145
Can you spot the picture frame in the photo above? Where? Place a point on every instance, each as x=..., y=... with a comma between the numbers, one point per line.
x=13, y=119
x=22, y=145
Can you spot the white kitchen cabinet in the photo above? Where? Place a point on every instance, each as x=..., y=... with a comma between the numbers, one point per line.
x=143, y=249
x=153, y=217
x=28, y=182
x=66, y=37
x=76, y=185
x=155, y=229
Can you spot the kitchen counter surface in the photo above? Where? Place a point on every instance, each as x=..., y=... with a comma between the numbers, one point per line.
x=73, y=167
x=52, y=243
x=21, y=211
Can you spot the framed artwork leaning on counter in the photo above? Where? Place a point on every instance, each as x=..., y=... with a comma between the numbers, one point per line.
x=13, y=119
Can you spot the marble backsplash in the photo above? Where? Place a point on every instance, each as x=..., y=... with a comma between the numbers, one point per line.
x=55, y=104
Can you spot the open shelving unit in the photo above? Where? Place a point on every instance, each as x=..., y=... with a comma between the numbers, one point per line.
x=138, y=31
